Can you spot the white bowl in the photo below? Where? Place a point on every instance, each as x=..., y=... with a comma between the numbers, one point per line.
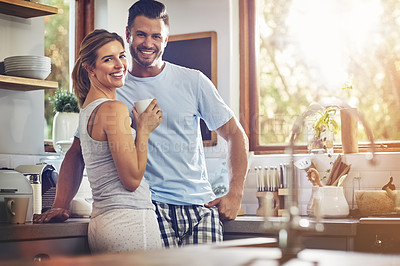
x=8, y=69
x=26, y=58
x=36, y=64
x=33, y=73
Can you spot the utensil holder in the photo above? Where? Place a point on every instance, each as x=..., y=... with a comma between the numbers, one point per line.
x=333, y=202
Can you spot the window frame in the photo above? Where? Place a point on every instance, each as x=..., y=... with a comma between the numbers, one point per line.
x=249, y=90
x=84, y=23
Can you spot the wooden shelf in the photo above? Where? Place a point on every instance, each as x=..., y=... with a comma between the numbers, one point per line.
x=25, y=84
x=25, y=9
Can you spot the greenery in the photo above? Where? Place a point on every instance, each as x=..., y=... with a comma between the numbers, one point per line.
x=308, y=51
x=325, y=122
x=57, y=48
x=64, y=101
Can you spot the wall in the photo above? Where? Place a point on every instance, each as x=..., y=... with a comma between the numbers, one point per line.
x=372, y=177
x=22, y=113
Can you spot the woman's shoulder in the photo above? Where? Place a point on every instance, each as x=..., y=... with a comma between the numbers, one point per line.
x=114, y=106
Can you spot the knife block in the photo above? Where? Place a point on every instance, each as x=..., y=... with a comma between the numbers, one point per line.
x=268, y=203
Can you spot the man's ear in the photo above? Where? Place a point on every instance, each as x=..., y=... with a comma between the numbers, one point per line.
x=128, y=35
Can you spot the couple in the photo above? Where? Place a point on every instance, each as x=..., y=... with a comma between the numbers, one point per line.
x=182, y=208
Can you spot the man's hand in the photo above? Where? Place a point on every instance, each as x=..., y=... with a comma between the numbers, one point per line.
x=54, y=215
x=228, y=206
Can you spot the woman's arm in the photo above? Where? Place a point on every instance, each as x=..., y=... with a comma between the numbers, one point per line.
x=130, y=157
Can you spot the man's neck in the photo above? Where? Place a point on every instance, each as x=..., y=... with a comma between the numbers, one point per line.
x=141, y=72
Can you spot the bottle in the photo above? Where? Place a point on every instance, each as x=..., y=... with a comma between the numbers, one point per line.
x=37, y=193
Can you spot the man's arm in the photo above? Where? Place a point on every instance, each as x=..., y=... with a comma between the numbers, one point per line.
x=238, y=148
x=69, y=180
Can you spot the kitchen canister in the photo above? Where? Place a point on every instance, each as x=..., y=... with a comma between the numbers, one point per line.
x=333, y=203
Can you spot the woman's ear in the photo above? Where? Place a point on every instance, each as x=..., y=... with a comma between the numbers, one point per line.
x=89, y=70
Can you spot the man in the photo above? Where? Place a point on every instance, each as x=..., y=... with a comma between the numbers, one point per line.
x=187, y=210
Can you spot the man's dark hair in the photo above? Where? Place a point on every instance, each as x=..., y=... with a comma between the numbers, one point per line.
x=150, y=9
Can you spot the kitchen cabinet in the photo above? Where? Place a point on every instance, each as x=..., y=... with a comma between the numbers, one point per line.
x=378, y=235
x=43, y=248
x=29, y=241
x=25, y=9
x=339, y=234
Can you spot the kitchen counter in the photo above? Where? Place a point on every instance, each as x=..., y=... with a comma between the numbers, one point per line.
x=73, y=227
x=31, y=240
x=213, y=255
x=77, y=227
x=255, y=224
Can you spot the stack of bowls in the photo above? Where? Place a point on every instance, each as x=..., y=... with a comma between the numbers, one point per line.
x=28, y=66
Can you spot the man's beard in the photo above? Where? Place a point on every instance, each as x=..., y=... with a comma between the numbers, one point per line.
x=144, y=63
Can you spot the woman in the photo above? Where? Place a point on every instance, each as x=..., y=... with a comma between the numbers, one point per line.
x=123, y=217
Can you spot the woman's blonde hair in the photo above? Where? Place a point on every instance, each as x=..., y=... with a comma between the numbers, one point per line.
x=87, y=59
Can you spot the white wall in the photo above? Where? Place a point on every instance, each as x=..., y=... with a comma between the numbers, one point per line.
x=21, y=113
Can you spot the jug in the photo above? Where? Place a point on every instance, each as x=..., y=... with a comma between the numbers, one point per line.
x=333, y=202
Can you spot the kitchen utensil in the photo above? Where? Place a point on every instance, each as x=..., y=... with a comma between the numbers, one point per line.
x=313, y=176
x=303, y=164
x=334, y=170
x=344, y=172
x=341, y=180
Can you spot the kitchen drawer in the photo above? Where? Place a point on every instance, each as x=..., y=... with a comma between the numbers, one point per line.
x=378, y=238
x=42, y=248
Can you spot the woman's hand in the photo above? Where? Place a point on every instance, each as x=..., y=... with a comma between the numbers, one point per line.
x=150, y=119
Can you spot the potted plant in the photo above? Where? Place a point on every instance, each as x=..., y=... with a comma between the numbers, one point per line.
x=66, y=119
x=324, y=128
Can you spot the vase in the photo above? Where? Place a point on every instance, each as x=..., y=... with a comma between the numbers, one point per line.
x=64, y=128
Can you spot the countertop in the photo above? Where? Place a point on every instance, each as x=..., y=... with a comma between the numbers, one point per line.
x=77, y=227
x=255, y=225
x=73, y=227
x=212, y=255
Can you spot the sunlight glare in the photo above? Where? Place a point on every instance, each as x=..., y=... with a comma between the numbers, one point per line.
x=330, y=31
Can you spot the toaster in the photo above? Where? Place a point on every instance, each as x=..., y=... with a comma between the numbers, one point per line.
x=14, y=184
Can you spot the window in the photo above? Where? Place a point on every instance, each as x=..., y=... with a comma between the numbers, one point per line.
x=63, y=35
x=295, y=53
x=57, y=36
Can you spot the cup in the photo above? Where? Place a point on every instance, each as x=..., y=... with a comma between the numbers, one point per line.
x=141, y=106
x=17, y=209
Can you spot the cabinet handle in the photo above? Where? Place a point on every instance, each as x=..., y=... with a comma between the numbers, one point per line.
x=41, y=257
x=378, y=242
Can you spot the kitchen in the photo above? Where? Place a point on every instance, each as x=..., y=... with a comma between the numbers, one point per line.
x=225, y=15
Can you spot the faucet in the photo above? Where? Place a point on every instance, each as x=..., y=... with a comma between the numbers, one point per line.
x=292, y=227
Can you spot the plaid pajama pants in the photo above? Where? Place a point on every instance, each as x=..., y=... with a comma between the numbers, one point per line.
x=188, y=224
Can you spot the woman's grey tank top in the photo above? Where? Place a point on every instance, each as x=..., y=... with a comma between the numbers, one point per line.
x=107, y=189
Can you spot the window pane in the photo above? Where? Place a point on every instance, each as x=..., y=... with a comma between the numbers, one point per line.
x=310, y=50
x=57, y=48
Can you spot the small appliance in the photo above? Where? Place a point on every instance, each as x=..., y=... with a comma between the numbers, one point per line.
x=48, y=177
x=14, y=184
